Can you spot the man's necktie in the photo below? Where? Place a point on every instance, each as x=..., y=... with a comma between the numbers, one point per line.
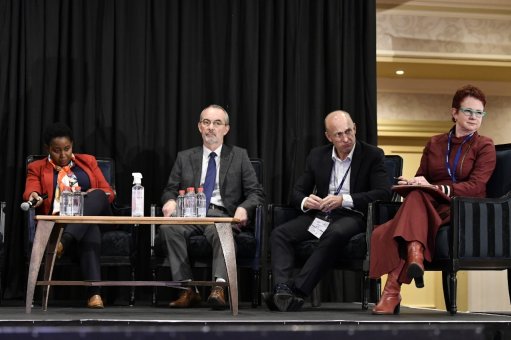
x=209, y=182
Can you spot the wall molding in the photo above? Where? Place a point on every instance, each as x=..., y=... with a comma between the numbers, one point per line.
x=412, y=128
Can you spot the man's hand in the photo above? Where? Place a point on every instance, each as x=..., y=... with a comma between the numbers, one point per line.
x=241, y=214
x=169, y=208
x=330, y=203
x=312, y=202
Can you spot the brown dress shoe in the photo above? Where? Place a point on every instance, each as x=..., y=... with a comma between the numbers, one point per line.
x=95, y=301
x=187, y=298
x=60, y=250
x=217, y=299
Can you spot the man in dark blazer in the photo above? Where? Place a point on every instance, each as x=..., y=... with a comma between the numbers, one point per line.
x=334, y=191
x=236, y=192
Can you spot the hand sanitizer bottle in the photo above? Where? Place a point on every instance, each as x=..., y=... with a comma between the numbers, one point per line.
x=137, y=195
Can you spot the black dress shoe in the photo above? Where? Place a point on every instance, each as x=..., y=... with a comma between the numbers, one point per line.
x=268, y=299
x=285, y=299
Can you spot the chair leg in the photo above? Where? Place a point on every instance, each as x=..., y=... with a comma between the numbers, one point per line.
x=316, y=296
x=445, y=286
x=450, y=283
x=365, y=290
x=256, y=288
x=153, y=273
x=132, y=288
x=453, y=284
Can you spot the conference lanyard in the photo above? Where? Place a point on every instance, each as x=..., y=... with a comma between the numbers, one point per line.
x=342, y=181
x=452, y=172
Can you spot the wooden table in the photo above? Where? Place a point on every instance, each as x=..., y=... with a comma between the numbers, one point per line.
x=47, y=237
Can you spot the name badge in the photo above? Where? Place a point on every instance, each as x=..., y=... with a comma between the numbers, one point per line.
x=318, y=227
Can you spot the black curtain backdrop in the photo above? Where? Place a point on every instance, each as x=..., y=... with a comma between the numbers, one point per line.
x=131, y=77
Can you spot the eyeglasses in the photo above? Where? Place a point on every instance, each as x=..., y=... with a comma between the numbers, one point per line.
x=207, y=122
x=470, y=112
x=348, y=133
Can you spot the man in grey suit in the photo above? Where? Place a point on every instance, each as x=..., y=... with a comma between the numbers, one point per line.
x=339, y=181
x=235, y=191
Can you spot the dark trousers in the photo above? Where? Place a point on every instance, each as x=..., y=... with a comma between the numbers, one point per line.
x=284, y=238
x=87, y=237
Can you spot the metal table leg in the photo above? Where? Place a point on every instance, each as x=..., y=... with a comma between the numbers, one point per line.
x=227, y=241
x=42, y=235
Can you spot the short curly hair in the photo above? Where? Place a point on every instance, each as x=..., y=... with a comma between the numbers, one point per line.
x=56, y=130
x=467, y=91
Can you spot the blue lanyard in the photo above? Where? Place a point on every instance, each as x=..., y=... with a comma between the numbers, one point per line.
x=452, y=172
x=342, y=181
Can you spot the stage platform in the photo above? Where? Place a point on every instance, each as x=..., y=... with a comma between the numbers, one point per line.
x=330, y=321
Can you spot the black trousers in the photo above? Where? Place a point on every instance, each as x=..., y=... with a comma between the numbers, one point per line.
x=284, y=238
x=86, y=238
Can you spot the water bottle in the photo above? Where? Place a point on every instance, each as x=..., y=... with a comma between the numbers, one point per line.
x=76, y=202
x=180, y=204
x=66, y=203
x=190, y=203
x=201, y=203
x=137, y=195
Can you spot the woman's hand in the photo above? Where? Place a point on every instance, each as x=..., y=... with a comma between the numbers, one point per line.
x=35, y=196
x=420, y=180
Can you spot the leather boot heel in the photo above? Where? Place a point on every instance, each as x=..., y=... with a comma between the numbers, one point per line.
x=415, y=261
x=391, y=298
x=397, y=310
x=419, y=282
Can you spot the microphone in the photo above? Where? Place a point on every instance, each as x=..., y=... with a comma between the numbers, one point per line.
x=28, y=204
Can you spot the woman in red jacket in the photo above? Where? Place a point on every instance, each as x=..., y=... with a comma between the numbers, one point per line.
x=64, y=170
x=457, y=163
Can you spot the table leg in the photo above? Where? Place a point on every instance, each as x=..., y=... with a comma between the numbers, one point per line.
x=49, y=263
x=227, y=241
x=42, y=234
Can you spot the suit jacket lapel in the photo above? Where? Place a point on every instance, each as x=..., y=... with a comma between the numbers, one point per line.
x=325, y=172
x=225, y=163
x=196, y=163
x=355, y=166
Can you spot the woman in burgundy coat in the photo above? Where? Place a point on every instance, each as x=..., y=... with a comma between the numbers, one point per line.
x=457, y=163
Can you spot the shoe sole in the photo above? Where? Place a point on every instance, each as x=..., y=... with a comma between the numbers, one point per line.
x=287, y=302
x=295, y=305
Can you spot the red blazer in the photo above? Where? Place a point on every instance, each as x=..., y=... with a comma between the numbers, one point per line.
x=40, y=175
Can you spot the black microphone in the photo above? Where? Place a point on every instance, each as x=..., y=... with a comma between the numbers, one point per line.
x=28, y=204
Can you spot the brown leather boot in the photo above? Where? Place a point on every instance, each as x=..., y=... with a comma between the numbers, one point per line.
x=187, y=298
x=415, y=261
x=391, y=298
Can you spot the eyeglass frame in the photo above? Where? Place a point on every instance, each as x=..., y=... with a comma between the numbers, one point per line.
x=215, y=123
x=350, y=132
x=468, y=112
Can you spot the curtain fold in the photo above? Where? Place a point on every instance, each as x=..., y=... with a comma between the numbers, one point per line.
x=131, y=77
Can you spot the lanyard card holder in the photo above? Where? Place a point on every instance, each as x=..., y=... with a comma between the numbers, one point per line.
x=319, y=225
